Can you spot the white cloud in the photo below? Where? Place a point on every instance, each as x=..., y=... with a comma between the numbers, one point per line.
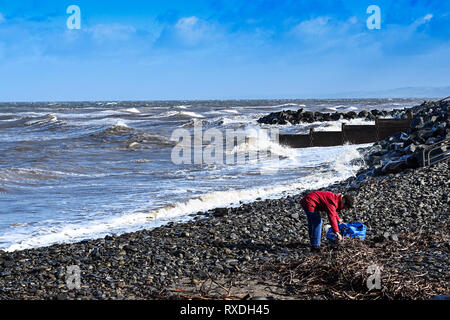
x=313, y=27
x=325, y=27
x=421, y=21
x=428, y=17
x=325, y=32
x=189, y=32
x=187, y=23
x=192, y=30
x=106, y=32
x=327, y=35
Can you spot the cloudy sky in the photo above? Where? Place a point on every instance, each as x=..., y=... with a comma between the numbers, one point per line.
x=219, y=49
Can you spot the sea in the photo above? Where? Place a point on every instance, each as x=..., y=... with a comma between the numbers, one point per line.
x=72, y=171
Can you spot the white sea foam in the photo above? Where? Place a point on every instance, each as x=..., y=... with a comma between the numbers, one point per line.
x=258, y=140
x=346, y=108
x=49, y=118
x=121, y=123
x=230, y=111
x=192, y=114
x=329, y=125
x=289, y=105
x=129, y=110
x=238, y=119
x=186, y=114
x=167, y=114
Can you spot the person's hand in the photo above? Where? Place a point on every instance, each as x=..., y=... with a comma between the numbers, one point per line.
x=341, y=220
x=339, y=237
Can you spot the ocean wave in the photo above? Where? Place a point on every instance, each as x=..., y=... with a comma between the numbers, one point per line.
x=129, y=110
x=257, y=140
x=347, y=108
x=131, y=138
x=195, y=122
x=153, y=139
x=230, y=111
x=191, y=114
x=288, y=105
x=221, y=112
x=118, y=129
x=182, y=106
x=33, y=176
x=180, y=115
x=231, y=122
x=39, y=121
x=325, y=126
x=37, y=176
x=7, y=117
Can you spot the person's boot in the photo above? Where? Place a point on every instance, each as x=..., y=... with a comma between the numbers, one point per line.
x=315, y=249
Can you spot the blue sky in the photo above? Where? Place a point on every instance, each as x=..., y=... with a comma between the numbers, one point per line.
x=222, y=49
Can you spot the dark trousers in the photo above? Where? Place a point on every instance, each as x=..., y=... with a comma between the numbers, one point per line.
x=314, y=227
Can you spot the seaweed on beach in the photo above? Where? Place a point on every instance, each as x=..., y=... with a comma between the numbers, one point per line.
x=341, y=271
x=414, y=267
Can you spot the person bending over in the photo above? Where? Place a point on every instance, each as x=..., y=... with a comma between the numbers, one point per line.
x=331, y=203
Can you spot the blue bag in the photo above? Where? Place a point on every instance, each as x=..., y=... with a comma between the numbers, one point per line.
x=353, y=230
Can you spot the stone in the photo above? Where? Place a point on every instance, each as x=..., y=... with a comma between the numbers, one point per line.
x=417, y=123
x=393, y=237
x=232, y=262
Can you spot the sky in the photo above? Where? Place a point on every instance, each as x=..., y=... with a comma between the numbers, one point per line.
x=219, y=49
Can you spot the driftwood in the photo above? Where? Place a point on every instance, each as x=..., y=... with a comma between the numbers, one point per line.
x=340, y=272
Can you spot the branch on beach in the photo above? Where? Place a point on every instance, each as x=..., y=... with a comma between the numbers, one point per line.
x=341, y=272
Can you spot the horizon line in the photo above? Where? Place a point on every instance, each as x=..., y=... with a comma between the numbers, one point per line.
x=225, y=99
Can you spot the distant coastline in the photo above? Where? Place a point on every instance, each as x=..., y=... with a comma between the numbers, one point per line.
x=423, y=93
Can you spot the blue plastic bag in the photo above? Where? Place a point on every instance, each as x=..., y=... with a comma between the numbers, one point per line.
x=352, y=230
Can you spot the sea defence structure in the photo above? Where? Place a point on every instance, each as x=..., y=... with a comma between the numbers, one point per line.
x=354, y=134
x=414, y=138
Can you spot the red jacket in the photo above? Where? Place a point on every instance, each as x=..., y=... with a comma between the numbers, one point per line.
x=324, y=201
